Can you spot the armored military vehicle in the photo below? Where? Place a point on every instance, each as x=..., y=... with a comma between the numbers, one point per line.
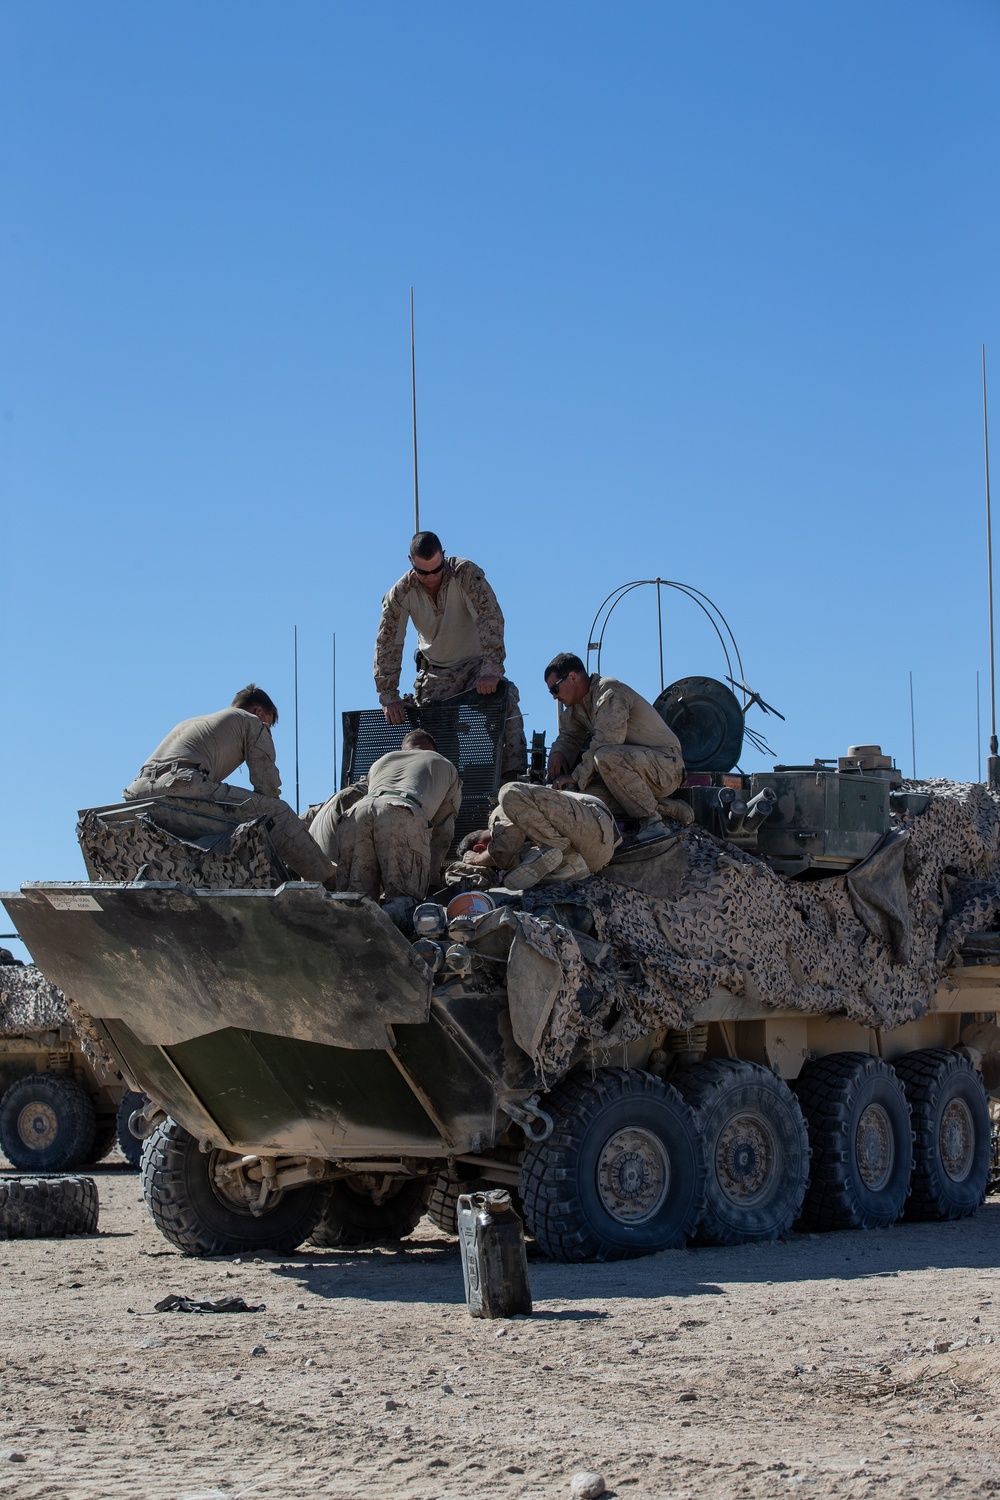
x=720, y=1036
x=57, y=1108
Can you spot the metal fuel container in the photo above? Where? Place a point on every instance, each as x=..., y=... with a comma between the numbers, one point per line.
x=494, y=1263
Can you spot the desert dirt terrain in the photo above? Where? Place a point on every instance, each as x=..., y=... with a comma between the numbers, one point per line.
x=845, y=1365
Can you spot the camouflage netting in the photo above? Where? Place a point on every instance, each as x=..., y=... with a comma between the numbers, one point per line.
x=28, y=1003
x=872, y=944
x=140, y=850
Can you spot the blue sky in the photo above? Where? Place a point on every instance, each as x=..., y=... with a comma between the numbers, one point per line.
x=701, y=290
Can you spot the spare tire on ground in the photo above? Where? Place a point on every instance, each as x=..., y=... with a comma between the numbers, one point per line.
x=47, y=1208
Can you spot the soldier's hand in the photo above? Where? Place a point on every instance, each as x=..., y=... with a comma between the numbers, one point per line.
x=563, y=781
x=558, y=765
x=395, y=713
x=482, y=858
x=487, y=684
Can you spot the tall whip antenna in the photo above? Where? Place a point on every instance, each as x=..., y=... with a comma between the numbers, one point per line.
x=993, y=761
x=413, y=399
x=295, y=650
x=336, y=771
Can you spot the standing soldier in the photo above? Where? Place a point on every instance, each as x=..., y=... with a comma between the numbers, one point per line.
x=459, y=640
x=612, y=740
x=197, y=756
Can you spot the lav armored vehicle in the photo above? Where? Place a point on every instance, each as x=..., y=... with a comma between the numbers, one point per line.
x=781, y=1015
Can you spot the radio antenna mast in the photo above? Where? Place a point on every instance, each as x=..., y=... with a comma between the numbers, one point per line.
x=413, y=401
x=295, y=653
x=993, y=761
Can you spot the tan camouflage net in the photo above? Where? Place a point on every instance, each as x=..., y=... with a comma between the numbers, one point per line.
x=710, y=915
x=139, y=850
x=28, y=1003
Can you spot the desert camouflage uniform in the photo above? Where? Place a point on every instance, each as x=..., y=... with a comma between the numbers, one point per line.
x=459, y=640
x=395, y=838
x=620, y=748
x=540, y=815
x=197, y=756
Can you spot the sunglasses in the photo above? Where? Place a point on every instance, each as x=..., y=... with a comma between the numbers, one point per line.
x=428, y=572
x=554, y=689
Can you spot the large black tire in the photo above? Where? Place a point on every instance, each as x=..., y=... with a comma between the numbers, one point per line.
x=351, y=1217
x=951, y=1134
x=192, y=1212
x=756, y=1146
x=105, y=1138
x=862, y=1142
x=442, y=1205
x=623, y=1173
x=47, y=1123
x=44, y=1208
x=130, y=1144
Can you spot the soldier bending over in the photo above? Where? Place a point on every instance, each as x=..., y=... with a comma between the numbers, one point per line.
x=395, y=838
x=196, y=757
x=537, y=833
x=460, y=642
x=614, y=742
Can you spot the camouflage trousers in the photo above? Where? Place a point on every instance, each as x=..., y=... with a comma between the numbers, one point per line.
x=384, y=845
x=551, y=819
x=287, y=831
x=637, y=777
x=434, y=683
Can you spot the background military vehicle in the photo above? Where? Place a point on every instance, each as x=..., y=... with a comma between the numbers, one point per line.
x=57, y=1109
x=717, y=1038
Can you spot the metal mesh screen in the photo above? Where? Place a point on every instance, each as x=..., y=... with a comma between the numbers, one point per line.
x=468, y=730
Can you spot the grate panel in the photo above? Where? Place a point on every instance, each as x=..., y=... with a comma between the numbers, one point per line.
x=468, y=730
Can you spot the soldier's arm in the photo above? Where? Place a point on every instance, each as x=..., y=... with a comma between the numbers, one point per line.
x=260, y=759
x=443, y=827
x=389, y=646
x=572, y=739
x=488, y=617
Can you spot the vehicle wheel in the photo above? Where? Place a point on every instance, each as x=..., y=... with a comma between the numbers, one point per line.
x=622, y=1174
x=951, y=1134
x=442, y=1205
x=130, y=1144
x=47, y=1123
x=105, y=1138
x=862, y=1142
x=757, y=1148
x=352, y=1217
x=44, y=1208
x=194, y=1212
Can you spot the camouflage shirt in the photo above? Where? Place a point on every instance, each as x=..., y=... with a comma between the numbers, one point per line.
x=463, y=622
x=611, y=714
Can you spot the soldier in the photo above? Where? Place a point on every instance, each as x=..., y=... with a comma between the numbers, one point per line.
x=612, y=740
x=459, y=640
x=196, y=757
x=394, y=839
x=571, y=834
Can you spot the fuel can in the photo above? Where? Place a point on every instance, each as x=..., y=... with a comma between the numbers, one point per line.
x=494, y=1263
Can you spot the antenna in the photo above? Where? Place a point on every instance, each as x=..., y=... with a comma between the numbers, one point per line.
x=993, y=761
x=335, y=771
x=659, y=628
x=913, y=731
x=413, y=399
x=295, y=653
x=979, y=737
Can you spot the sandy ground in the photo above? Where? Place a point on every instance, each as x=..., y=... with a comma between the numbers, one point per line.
x=842, y=1365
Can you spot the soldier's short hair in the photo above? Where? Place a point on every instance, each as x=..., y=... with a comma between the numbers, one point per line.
x=254, y=697
x=563, y=663
x=425, y=544
x=477, y=836
x=418, y=734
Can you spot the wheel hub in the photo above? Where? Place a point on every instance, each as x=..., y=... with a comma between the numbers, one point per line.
x=37, y=1125
x=957, y=1138
x=633, y=1175
x=745, y=1158
x=874, y=1148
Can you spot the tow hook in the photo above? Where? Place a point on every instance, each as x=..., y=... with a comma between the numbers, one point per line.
x=142, y=1122
x=533, y=1120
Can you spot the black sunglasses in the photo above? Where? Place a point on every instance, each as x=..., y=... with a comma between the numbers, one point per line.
x=554, y=689
x=428, y=572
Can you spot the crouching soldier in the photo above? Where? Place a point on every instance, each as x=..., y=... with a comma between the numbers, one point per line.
x=394, y=839
x=537, y=833
x=614, y=742
x=197, y=756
